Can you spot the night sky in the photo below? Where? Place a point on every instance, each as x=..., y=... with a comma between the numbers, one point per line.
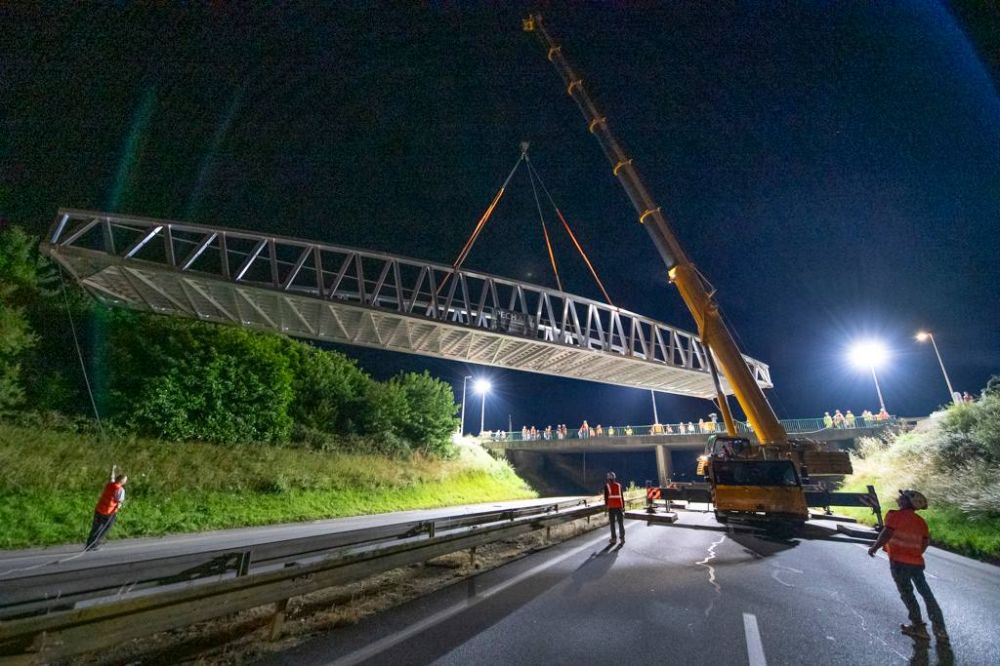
x=832, y=168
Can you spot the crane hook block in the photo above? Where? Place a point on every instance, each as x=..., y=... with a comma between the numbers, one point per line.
x=524, y=147
x=528, y=24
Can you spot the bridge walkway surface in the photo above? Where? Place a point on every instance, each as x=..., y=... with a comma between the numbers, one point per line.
x=695, y=594
x=373, y=299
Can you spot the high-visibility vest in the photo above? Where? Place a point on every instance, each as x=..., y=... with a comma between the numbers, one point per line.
x=614, y=493
x=108, y=504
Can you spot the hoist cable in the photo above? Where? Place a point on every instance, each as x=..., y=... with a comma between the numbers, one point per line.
x=572, y=236
x=485, y=218
x=541, y=218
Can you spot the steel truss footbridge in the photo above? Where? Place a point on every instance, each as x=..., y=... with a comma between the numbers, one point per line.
x=372, y=299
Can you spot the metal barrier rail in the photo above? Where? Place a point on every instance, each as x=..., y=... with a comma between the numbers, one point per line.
x=61, y=633
x=43, y=592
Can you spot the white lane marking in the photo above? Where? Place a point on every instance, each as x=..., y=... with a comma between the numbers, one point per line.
x=755, y=649
x=380, y=646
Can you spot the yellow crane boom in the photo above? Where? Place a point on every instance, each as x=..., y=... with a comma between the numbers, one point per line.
x=692, y=286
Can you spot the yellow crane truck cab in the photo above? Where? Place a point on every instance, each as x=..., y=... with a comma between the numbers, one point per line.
x=752, y=483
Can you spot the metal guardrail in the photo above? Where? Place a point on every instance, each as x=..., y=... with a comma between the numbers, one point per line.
x=61, y=632
x=791, y=426
x=44, y=592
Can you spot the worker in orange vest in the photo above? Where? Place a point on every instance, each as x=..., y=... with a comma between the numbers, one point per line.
x=905, y=537
x=106, y=511
x=614, y=499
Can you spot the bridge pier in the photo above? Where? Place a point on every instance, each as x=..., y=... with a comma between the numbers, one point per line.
x=663, y=465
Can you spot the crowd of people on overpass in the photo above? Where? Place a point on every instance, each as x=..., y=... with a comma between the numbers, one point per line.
x=587, y=431
x=704, y=426
x=849, y=420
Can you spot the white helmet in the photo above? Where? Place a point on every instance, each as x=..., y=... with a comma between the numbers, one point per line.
x=915, y=498
x=611, y=476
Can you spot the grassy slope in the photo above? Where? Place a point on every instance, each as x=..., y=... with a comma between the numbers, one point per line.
x=950, y=528
x=49, y=482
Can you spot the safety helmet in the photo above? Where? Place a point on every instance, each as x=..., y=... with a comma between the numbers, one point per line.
x=915, y=497
x=611, y=476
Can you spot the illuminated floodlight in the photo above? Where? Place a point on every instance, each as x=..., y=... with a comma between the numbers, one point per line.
x=922, y=336
x=868, y=354
x=482, y=386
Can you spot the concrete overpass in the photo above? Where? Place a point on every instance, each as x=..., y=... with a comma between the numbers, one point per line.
x=644, y=438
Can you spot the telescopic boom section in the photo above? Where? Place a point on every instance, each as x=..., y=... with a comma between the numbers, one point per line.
x=682, y=272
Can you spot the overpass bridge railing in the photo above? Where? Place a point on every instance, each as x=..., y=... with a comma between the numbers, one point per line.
x=684, y=429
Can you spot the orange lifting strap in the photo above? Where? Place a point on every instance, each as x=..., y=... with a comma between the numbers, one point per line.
x=485, y=218
x=572, y=236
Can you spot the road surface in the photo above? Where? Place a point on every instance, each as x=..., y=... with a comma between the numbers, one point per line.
x=696, y=593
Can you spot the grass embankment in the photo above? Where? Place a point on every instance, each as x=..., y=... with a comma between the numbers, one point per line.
x=50, y=480
x=950, y=458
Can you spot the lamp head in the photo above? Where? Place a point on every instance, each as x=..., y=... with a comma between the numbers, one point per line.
x=922, y=336
x=868, y=354
x=482, y=386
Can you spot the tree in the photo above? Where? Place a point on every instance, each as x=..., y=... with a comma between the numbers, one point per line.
x=384, y=411
x=431, y=412
x=18, y=279
x=328, y=388
x=180, y=379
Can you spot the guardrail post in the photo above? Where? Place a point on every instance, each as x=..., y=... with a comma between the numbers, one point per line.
x=548, y=534
x=278, y=619
x=243, y=566
x=472, y=557
x=430, y=530
x=877, y=508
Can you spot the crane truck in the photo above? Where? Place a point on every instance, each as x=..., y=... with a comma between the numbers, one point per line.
x=764, y=478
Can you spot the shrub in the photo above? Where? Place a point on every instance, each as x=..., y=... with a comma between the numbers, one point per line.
x=178, y=379
x=972, y=432
x=384, y=413
x=954, y=459
x=328, y=388
x=431, y=412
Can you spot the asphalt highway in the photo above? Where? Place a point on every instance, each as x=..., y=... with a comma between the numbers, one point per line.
x=16, y=563
x=693, y=593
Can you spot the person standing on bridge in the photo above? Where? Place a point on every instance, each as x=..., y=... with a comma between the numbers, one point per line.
x=614, y=500
x=905, y=537
x=827, y=420
x=106, y=511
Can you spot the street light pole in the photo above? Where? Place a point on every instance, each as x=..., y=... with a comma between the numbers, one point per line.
x=656, y=419
x=482, y=387
x=878, y=390
x=465, y=382
x=868, y=354
x=921, y=336
x=482, y=416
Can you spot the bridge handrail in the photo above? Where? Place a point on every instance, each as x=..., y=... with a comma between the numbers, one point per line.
x=792, y=427
x=380, y=280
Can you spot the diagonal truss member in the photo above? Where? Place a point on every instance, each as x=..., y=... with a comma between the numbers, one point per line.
x=372, y=299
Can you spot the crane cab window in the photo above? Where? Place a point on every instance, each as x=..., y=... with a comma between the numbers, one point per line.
x=755, y=473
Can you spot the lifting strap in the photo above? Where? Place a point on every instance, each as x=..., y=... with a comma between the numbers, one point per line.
x=572, y=236
x=457, y=264
x=541, y=218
